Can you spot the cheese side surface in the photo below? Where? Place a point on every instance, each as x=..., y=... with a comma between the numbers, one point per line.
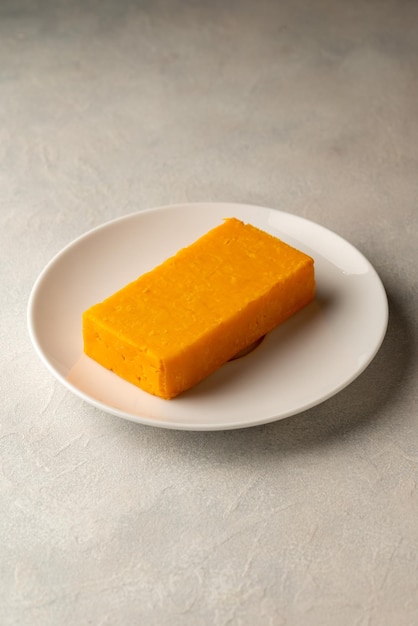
x=173, y=326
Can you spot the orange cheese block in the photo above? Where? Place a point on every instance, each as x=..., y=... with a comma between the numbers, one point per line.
x=178, y=323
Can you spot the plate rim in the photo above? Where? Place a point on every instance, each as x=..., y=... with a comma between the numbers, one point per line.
x=198, y=426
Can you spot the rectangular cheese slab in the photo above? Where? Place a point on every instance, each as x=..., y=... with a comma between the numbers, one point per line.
x=178, y=323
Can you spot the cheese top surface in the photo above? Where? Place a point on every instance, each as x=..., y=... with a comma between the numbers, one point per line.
x=198, y=289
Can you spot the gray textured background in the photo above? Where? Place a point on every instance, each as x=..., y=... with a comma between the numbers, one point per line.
x=111, y=107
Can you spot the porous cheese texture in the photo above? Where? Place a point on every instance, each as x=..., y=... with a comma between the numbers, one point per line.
x=175, y=325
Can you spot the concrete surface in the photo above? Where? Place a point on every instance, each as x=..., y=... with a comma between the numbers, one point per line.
x=112, y=107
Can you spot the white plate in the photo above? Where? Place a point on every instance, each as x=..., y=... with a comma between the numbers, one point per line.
x=306, y=360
